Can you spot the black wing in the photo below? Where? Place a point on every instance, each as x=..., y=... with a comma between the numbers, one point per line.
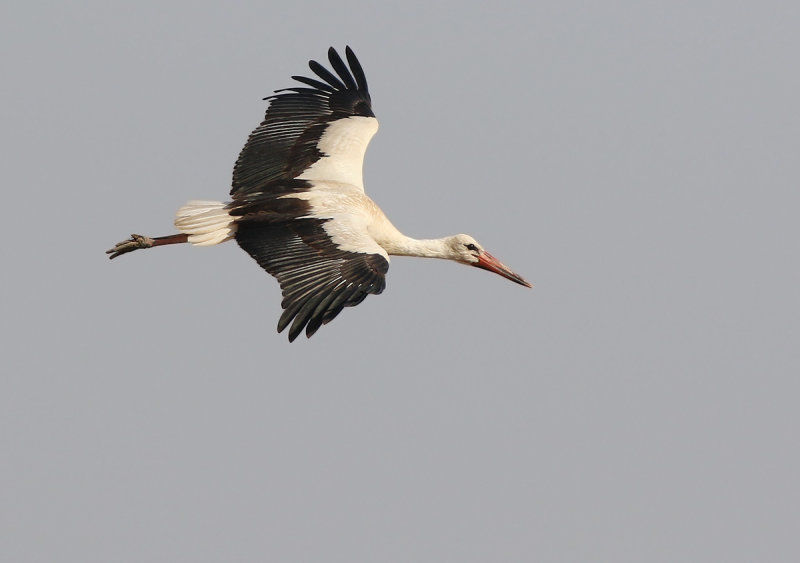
x=286, y=142
x=317, y=278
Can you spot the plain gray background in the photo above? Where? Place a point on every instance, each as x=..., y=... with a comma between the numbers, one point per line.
x=637, y=161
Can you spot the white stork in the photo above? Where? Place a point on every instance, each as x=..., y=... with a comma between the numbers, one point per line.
x=298, y=204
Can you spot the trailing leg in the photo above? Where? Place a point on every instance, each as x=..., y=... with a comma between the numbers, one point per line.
x=138, y=241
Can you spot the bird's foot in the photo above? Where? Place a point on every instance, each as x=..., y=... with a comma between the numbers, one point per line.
x=134, y=243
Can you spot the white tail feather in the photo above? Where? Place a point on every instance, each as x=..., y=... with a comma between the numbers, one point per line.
x=206, y=222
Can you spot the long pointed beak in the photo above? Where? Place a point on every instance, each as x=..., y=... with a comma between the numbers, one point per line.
x=488, y=262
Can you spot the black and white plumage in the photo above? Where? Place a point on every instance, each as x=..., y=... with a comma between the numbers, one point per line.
x=298, y=205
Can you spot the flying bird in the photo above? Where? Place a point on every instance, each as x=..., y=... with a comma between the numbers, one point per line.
x=298, y=205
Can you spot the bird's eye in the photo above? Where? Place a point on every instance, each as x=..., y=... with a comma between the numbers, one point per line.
x=471, y=246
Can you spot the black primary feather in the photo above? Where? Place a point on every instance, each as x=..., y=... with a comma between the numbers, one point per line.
x=284, y=145
x=317, y=279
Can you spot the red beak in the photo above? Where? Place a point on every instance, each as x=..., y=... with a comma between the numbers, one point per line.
x=489, y=262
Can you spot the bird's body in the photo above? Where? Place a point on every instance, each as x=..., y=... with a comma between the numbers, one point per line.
x=298, y=205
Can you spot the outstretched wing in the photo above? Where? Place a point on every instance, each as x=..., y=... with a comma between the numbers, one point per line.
x=319, y=131
x=317, y=276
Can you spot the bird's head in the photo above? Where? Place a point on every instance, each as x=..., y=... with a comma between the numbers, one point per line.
x=467, y=250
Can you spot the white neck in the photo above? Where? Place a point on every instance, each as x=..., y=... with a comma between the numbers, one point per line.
x=425, y=248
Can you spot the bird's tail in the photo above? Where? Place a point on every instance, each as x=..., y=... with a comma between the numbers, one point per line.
x=206, y=222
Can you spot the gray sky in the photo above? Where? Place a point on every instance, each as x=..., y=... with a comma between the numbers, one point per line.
x=636, y=161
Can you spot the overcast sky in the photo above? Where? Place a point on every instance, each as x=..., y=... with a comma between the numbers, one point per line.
x=636, y=161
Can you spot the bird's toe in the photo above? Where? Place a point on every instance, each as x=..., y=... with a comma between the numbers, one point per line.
x=134, y=243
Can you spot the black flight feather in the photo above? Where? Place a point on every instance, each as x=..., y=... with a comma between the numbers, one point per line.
x=317, y=278
x=284, y=145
